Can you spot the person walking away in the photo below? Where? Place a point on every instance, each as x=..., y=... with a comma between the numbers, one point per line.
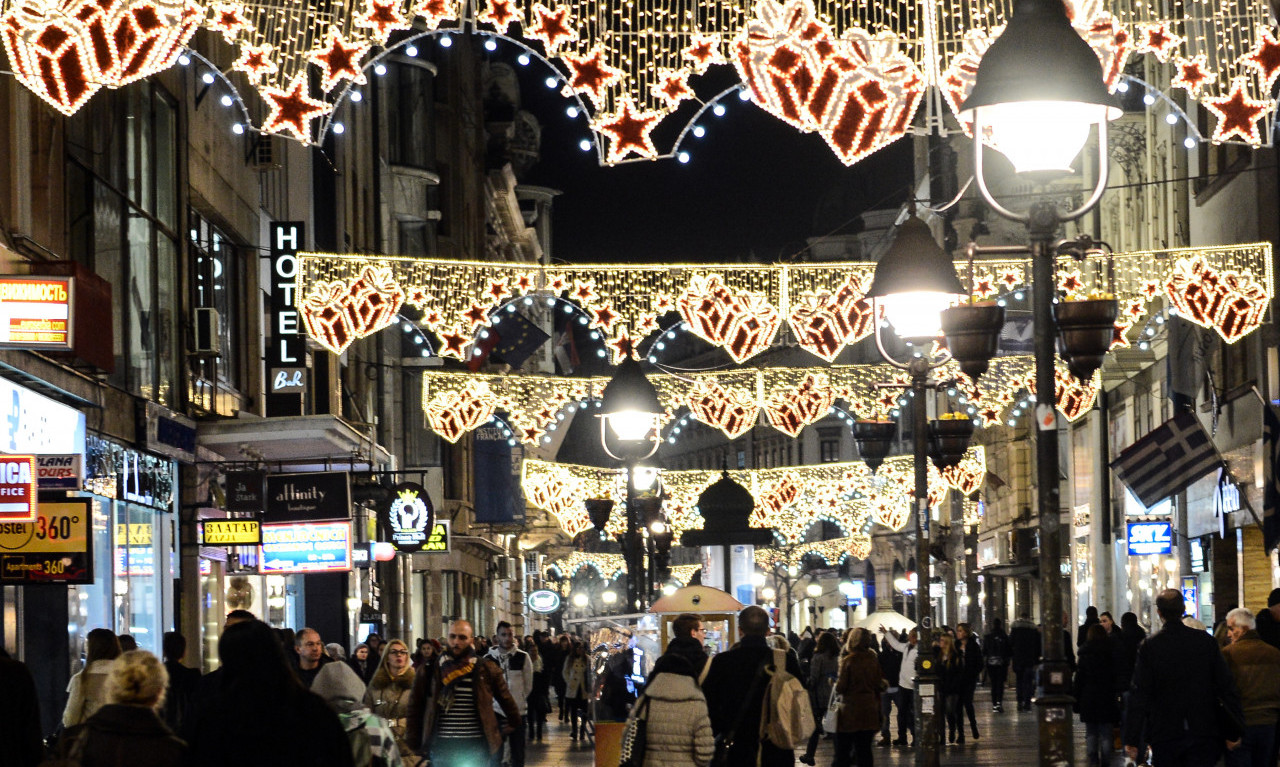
x=311, y=655
x=1268, y=621
x=451, y=716
x=1095, y=694
x=577, y=681
x=20, y=730
x=735, y=687
x=1255, y=668
x=388, y=692
x=127, y=729
x=824, y=668
x=906, y=684
x=891, y=669
x=557, y=653
x=260, y=714
x=517, y=668
x=183, y=681
x=951, y=684
x=677, y=726
x=373, y=744
x=1131, y=636
x=859, y=684
x=1090, y=619
x=536, y=705
x=971, y=659
x=1179, y=681
x=996, y=653
x=87, y=691
x=1024, y=640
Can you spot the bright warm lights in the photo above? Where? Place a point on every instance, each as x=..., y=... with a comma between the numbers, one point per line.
x=916, y=315
x=768, y=593
x=814, y=590
x=645, y=477
x=353, y=604
x=608, y=597
x=845, y=588
x=1040, y=135
x=580, y=599
x=757, y=579
x=631, y=426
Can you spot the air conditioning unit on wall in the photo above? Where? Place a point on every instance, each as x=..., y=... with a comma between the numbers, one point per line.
x=508, y=568
x=208, y=333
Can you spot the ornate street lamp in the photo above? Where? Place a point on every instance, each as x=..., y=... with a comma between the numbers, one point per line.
x=914, y=282
x=630, y=420
x=1039, y=91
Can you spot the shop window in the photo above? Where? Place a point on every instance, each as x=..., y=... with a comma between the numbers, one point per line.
x=829, y=445
x=410, y=106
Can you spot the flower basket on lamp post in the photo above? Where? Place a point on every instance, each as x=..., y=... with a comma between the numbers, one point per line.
x=598, y=510
x=1085, y=331
x=973, y=335
x=874, y=439
x=949, y=439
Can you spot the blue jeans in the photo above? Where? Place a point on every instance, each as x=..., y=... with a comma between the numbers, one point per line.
x=1255, y=747
x=1098, y=741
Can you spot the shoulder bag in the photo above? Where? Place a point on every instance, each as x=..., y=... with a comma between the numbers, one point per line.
x=634, y=738
x=725, y=742
x=831, y=719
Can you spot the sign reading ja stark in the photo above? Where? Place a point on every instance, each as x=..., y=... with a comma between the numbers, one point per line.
x=310, y=547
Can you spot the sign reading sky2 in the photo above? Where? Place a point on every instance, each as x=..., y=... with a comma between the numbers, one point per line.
x=1150, y=538
x=17, y=488
x=35, y=312
x=52, y=549
x=409, y=516
x=313, y=547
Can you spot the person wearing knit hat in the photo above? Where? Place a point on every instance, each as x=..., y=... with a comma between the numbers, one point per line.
x=372, y=742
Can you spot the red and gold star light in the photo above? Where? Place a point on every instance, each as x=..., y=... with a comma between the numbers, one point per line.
x=551, y=27
x=292, y=110
x=1158, y=39
x=591, y=74
x=435, y=12
x=228, y=19
x=1264, y=58
x=256, y=62
x=672, y=87
x=628, y=130
x=499, y=13
x=702, y=52
x=1192, y=74
x=339, y=60
x=383, y=18
x=1237, y=114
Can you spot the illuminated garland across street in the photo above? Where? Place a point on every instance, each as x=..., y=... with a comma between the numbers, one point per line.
x=740, y=308
x=789, y=499
x=855, y=73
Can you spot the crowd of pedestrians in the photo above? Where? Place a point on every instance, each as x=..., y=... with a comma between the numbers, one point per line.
x=1179, y=696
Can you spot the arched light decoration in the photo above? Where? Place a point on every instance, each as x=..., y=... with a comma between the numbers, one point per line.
x=914, y=281
x=736, y=307
x=608, y=566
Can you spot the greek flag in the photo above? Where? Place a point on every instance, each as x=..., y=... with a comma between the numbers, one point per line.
x=1168, y=460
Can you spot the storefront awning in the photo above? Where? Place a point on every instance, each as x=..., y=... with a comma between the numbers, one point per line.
x=291, y=439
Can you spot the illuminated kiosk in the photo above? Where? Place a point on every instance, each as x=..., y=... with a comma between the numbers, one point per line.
x=719, y=611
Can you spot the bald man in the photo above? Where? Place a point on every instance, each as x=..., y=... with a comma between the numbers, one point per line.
x=452, y=715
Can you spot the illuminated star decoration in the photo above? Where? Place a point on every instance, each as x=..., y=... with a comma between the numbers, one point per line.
x=228, y=18
x=1157, y=39
x=1265, y=58
x=339, y=61
x=1070, y=282
x=672, y=87
x=256, y=62
x=383, y=18
x=623, y=347
x=628, y=131
x=703, y=51
x=1011, y=278
x=293, y=110
x=454, y=343
x=433, y=12
x=1237, y=114
x=1192, y=74
x=591, y=74
x=551, y=28
x=984, y=287
x=499, y=13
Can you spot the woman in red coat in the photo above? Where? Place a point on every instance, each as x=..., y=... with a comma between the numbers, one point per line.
x=859, y=685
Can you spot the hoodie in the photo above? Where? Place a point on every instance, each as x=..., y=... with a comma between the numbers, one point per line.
x=678, y=729
x=340, y=687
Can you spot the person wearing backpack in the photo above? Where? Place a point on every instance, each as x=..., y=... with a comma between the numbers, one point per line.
x=859, y=685
x=997, y=652
x=373, y=743
x=736, y=687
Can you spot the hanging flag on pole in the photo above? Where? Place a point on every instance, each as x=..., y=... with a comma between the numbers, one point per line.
x=1271, y=474
x=1168, y=460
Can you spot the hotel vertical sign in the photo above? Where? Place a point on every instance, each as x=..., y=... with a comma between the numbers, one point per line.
x=286, y=350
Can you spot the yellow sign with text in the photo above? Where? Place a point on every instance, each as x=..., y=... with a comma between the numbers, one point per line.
x=438, y=541
x=231, y=532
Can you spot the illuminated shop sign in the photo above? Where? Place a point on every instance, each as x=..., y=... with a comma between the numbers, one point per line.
x=311, y=547
x=17, y=488
x=544, y=601
x=53, y=549
x=59, y=472
x=439, y=542
x=1150, y=538
x=286, y=361
x=32, y=423
x=230, y=532
x=320, y=495
x=409, y=516
x=35, y=312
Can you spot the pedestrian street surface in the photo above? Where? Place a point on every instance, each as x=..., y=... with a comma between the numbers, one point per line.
x=1005, y=740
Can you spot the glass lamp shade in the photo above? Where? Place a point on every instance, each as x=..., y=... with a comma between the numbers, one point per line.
x=631, y=412
x=1040, y=136
x=914, y=281
x=631, y=425
x=918, y=314
x=814, y=590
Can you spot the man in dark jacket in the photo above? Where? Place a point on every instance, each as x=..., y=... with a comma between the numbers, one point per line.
x=971, y=658
x=1268, y=620
x=1024, y=638
x=997, y=652
x=1090, y=618
x=735, y=688
x=1179, y=682
x=891, y=669
x=20, y=740
x=1255, y=667
x=451, y=707
x=687, y=634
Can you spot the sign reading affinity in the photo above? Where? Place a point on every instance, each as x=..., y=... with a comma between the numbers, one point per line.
x=35, y=312
x=317, y=495
x=409, y=516
x=53, y=549
x=306, y=548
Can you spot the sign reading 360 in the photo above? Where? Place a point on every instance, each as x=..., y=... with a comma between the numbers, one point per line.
x=409, y=516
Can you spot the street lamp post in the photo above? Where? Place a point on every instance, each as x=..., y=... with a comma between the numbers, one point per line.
x=629, y=432
x=1038, y=92
x=914, y=283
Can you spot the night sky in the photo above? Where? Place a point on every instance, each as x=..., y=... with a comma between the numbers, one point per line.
x=754, y=189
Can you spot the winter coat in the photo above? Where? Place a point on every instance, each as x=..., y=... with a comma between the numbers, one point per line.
x=132, y=735
x=692, y=651
x=1130, y=640
x=490, y=686
x=388, y=697
x=1179, y=677
x=677, y=726
x=577, y=677
x=859, y=686
x=731, y=687
x=518, y=668
x=1025, y=641
x=890, y=663
x=1095, y=684
x=950, y=674
x=364, y=669
x=86, y=693
x=20, y=738
x=252, y=733
x=1255, y=666
x=823, y=670
x=1268, y=628
x=177, y=699
x=970, y=659
x=996, y=649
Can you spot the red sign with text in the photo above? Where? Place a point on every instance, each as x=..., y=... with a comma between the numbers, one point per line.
x=17, y=488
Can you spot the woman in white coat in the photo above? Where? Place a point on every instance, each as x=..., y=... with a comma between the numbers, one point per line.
x=87, y=691
x=677, y=727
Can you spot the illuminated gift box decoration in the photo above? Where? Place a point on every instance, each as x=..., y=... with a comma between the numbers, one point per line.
x=455, y=413
x=730, y=410
x=824, y=323
x=790, y=410
x=337, y=313
x=1229, y=302
x=742, y=323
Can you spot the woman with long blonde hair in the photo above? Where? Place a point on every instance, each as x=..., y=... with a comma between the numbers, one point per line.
x=951, y=684
x=388, y=693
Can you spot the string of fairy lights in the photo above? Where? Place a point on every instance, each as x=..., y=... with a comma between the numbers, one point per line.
x=628, y=65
